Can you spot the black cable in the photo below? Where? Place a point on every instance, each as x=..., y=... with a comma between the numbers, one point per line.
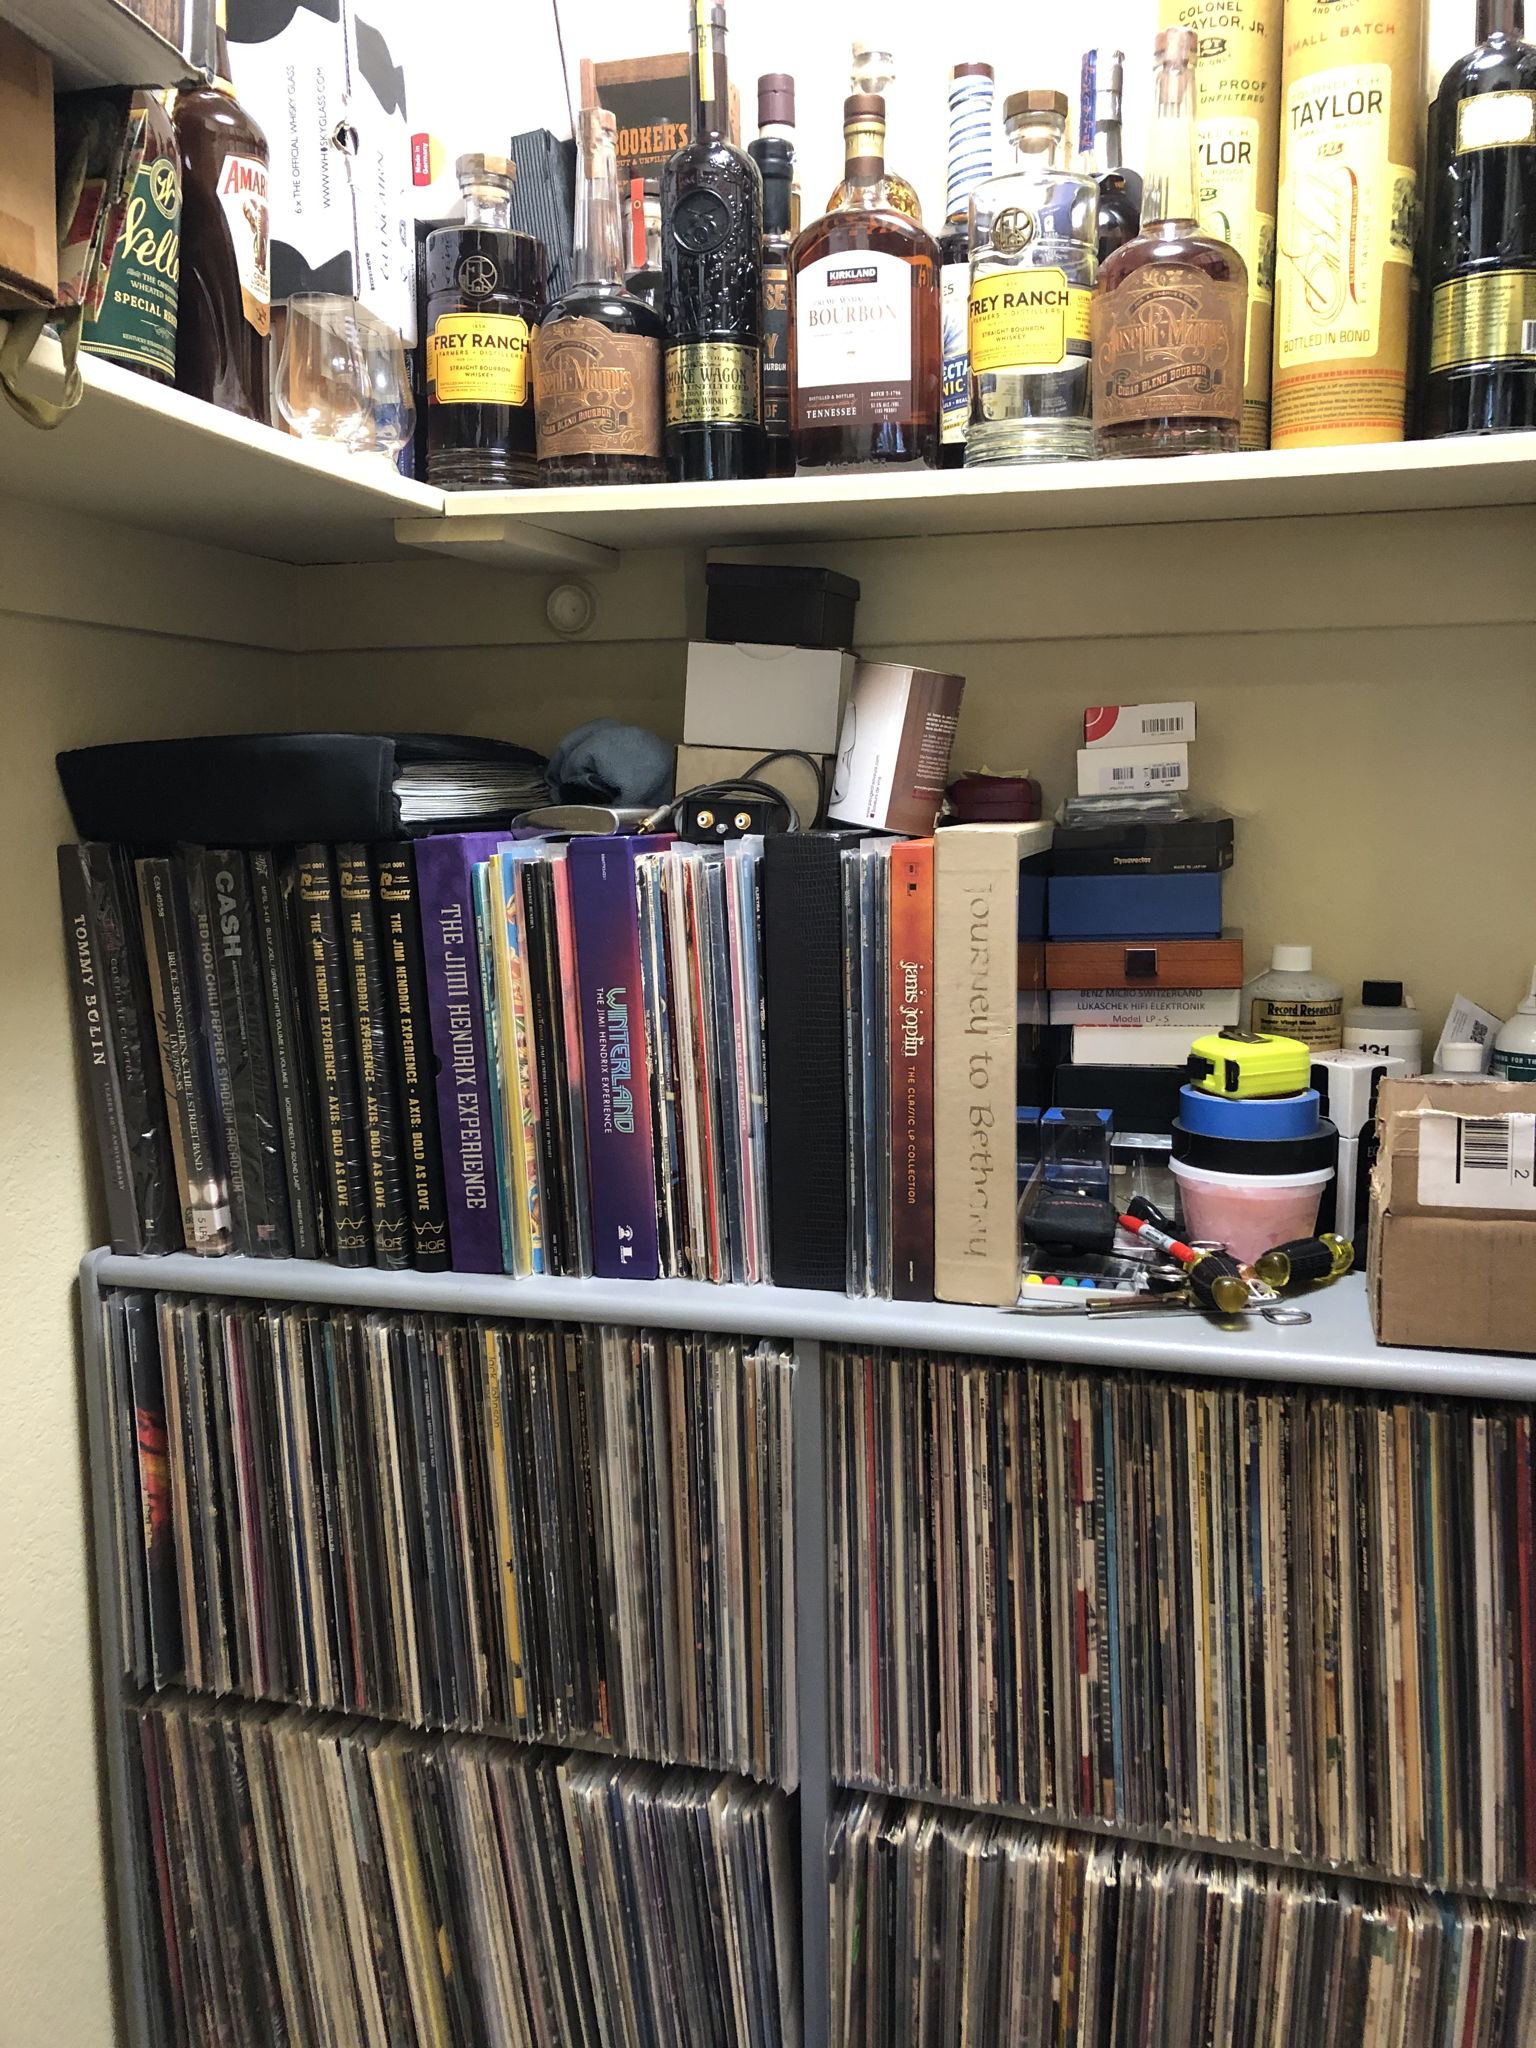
x=565, y=76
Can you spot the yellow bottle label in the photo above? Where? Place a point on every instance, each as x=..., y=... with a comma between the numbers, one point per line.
x=713, y=383
x=1026, y=320
x=1228, y=156
x=478, y=359
x=1495, y=120
x=1485, y=319
x=1346, y=212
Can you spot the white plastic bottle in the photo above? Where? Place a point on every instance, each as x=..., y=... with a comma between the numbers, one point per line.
x=1461, y=1060
x=1385, y=1022
x=1514, y=1050
x=1290, y=1001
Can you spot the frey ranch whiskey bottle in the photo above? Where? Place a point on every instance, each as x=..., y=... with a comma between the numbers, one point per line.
x=485, y=285
x=712, y=236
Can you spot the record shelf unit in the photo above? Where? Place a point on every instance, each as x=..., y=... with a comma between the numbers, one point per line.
x=1335, y=1354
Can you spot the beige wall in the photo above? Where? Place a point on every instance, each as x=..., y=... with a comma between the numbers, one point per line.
x=1366, y=709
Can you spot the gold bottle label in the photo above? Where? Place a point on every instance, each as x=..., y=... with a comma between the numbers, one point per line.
x=1485, y=319
x=713, y=383
x=595, y=392
x=478, y=359
x=1168, y=344
x=1495, y=120
x=1026, y=320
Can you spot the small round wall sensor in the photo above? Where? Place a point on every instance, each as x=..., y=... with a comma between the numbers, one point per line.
x=570, y=608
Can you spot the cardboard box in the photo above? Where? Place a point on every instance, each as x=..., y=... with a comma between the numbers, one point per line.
x=893, y=756
x=1196, y=1010
x=29, y=229
x=792, y=776
x=1132, y=771
x=331, y=96
x=1137, y=725
x=651, y=101
x=746, y=694
x=1136, y=906
x=1453, y=1216
x=1146, y=963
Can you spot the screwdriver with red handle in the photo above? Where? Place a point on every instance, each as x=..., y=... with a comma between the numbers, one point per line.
x=1215, y=1280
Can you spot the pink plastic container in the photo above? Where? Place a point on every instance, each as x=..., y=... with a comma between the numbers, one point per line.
x=1249, y=1213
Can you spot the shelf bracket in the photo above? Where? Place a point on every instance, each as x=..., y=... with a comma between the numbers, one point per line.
x=506, y=543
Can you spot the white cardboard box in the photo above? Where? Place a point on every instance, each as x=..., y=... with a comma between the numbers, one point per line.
x=330, y=96
x=1131, y=771
x=1132, y=1009
x=741, y=694
x=1137, y=725
x=893, y=757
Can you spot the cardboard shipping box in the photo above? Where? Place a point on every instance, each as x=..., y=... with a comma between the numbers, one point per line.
x=29, y=235
x=1453, y=1216
x=754, y=695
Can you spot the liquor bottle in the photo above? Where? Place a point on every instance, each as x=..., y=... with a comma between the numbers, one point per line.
x=873, y=70
x=597, y=349
x=1171, y=307
x=643, y=276
x=485, y=285
x=1480, y=236
x=864, y=302
x=224, y=304
x=711, y=260
x=970, y=165
x=1237, y=140
x=1099, y=148
x=774, y=154
x=135, y=324
x=1033, y=233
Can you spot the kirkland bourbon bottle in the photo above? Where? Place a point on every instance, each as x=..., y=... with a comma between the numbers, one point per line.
x=485, y=285
x=224, y=310
x=864, y=305
x=1480, y=236
x=711, y=239
x=597, y=350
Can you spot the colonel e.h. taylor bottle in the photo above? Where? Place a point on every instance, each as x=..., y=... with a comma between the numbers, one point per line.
x=711, y=239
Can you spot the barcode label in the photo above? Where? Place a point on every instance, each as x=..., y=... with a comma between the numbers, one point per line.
x=1122, y=774
x=1164, y=771
x=1476, y=1162
x=1528, y=337
x=1162, y=725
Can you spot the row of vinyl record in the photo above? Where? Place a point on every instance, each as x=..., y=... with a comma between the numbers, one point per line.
x=1297, y=1619
x=555, y=1532
x=796, y=1058
x=303, y=1880
x=949, y=1931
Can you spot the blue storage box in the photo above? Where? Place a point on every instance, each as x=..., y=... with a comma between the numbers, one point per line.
x=1135, y=907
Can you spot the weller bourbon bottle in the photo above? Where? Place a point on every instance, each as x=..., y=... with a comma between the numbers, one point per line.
x=712, y=253
x=224, y=310
x=864, y=303
x=485, y=284
x=1480, y=235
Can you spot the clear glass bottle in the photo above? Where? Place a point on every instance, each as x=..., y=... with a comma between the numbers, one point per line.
x=597, y=350
x=1171, y=308
x=485, y=284
x=872, y=73
x=643, y=278
x=711, y=260
x=1033, y=231
x=970, y=165
x=1100, y=151
x=864, y=311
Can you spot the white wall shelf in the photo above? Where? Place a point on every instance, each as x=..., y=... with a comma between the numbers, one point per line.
x=567, y=527
x=96, y=42
x=148, y=457
x=1337, y=1348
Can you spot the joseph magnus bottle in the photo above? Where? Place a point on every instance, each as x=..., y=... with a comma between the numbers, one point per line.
x=712, y=252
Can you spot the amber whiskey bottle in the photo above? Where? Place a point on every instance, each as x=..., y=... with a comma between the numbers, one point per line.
x=1479, y=360
x=597, y=350
x=1170, y=310
x=224, y=309
x=485, y=285
x=864, y=307
x=711, y=256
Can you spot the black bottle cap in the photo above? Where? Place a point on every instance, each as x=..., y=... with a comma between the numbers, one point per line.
x=1382, y=995
x=776, y=99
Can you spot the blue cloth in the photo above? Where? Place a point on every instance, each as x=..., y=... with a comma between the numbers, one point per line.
x=608, y=763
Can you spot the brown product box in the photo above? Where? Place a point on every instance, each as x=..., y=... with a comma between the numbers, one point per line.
x=651, y=102
x=893, y=753
x=1146, y=963
x=1453, y=1215
x=29, y=234
x=791, y=776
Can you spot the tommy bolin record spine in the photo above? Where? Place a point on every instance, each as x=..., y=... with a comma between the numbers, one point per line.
x=325, y=1003
x=382, y=1148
